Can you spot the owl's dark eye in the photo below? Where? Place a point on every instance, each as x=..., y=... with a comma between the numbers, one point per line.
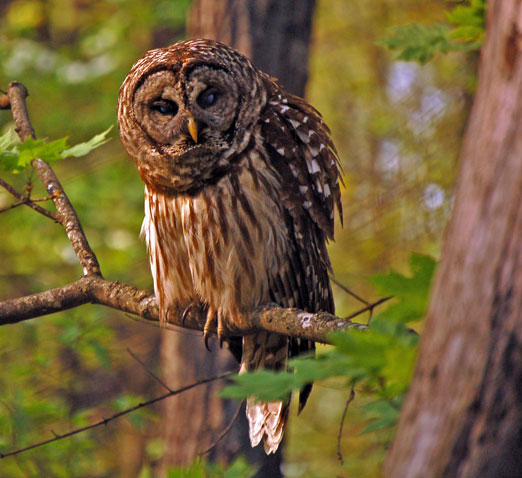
x=208, y=98
x=165, y=107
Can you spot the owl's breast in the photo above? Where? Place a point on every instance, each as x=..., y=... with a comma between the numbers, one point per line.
x=221, y=245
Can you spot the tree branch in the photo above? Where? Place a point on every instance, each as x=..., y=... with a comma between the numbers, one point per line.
x=67, y=216
x=25, y=200
x=95, y=290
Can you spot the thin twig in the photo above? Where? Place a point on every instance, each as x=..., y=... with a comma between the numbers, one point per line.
x=12, y=206
x=369, y=307
x=150, y=372
x=21, y=203
x=105, y=421
x=225, y=431
x=29, y=203
x=339, y=436
x=164, y=326
x=348, y=291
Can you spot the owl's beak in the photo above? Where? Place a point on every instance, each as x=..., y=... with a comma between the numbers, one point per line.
x=193, y=128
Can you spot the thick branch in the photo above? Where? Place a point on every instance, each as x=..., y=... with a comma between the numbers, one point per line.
x=95, y=290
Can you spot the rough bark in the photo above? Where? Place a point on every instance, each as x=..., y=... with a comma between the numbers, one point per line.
x=275, y=35
x=463, y=414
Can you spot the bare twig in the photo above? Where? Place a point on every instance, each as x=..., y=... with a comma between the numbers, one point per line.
x=369, y=307
x=23, y=200
x=67, y=215
x=225, y=431
x=340, y=435
x=150, y=372
x=164, y=326
x=105, y=421
x=348, y=291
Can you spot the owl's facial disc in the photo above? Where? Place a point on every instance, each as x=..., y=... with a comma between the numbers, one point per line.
x=189, y=117
x=191, y=114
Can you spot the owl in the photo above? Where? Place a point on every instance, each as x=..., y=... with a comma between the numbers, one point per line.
x=241, y=182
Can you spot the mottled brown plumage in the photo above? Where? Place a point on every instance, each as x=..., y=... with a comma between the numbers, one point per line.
x=241, y=183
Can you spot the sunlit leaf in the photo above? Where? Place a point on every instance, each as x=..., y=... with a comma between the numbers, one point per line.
x=83, y=149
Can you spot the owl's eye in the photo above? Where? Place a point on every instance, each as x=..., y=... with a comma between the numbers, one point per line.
x=165, y=107
x=208, y=98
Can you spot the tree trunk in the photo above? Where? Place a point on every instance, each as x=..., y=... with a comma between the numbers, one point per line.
x=275, y=35
x=463, y=414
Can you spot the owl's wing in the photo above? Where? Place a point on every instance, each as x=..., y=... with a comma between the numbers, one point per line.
x=301, y=152
x=299, y=148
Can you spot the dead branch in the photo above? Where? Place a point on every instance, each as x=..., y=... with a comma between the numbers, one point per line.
x=341, y=426
x=225, y=431
x=105, y=421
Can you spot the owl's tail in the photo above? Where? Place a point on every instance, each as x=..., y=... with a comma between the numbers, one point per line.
x=266, y=420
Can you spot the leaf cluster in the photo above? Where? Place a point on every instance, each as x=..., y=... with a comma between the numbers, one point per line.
x=421, y=42
x=15, y=156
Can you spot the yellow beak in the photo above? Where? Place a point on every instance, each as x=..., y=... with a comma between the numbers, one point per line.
x=193, y=128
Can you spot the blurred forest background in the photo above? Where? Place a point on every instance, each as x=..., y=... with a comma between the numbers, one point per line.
x=397, y=126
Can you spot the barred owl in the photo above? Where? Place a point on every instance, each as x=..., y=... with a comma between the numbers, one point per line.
x=241, y=182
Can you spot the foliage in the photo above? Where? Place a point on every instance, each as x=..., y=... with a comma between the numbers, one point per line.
x=420, y=42
x=379, y=360
x=16, y=157
x=200, y=469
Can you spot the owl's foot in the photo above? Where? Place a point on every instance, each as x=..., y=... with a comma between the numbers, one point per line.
x=216, y=322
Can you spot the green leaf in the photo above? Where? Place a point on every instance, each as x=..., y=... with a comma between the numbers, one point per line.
x=83, y=149
x=39, y=148
x=418, y=42
x=421, y=42
x=386, y=415
x=411, y=293
x=263, y=385
x=196, y=470
x=15, y=157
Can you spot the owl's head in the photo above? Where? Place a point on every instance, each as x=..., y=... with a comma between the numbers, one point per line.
x=185, y=112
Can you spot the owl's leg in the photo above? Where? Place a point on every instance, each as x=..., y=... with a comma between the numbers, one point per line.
x=220, y=327
x=215, y=321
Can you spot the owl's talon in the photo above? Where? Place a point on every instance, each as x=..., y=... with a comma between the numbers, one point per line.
x=205, y=338
x=185, y=314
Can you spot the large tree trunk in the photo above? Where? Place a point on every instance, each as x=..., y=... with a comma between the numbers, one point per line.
x=275, y=35
x=463, y=414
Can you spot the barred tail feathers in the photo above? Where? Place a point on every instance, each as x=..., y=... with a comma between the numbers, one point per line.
x=266, y=420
